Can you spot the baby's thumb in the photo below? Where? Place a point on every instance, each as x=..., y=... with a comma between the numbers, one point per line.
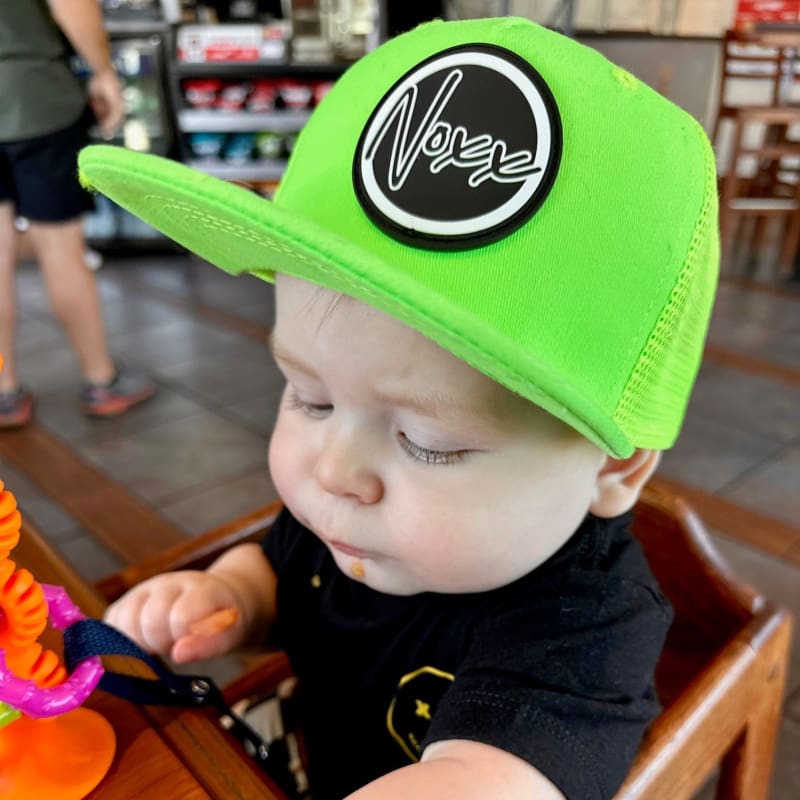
x=194, y=647
x=206, y=637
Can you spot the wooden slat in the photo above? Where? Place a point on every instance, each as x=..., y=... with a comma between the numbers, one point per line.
x=195, y=553
x=741, y=524
x=750, y=285
x=755, y=366
x=110, y=513
x=792, y=555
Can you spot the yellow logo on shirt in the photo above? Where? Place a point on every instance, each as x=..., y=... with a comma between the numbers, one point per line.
x=413, y=706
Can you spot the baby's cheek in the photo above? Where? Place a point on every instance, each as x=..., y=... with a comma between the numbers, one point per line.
x=284, y=464
x=429, y=539
x=457, y=548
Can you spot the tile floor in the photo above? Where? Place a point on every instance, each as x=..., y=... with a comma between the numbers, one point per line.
x=196, y=453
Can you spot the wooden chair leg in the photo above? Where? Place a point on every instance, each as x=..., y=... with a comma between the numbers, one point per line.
x=728, y=226
x=746, y=770
x=791, y=240
x=753, y=231
x=759, y=234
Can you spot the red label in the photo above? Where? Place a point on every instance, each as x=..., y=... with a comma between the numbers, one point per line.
x=751, y=11
x=228, y=53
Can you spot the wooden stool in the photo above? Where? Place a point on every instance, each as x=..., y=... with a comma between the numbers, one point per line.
x=770, y=187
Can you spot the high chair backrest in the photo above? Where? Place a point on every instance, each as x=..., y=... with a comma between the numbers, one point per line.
x=722, y=674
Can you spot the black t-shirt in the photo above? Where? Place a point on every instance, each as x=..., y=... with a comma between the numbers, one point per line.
x=556, y=667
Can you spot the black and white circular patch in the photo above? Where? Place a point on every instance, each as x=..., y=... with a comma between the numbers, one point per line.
x=461, y=151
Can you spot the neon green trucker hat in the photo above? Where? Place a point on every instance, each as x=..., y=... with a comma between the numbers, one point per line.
x=504, y=190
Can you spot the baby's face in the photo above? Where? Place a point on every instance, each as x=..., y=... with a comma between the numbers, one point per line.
x=418, y=472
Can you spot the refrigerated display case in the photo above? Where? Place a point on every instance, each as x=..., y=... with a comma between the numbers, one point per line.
x=139, y=37
x=240, y=103
x=243, y=91
x=239, y=121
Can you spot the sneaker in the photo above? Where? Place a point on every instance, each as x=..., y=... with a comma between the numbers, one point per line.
x=16, y=408
x=127, y=390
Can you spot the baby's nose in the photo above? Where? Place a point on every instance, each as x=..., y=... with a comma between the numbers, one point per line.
x=346, y=468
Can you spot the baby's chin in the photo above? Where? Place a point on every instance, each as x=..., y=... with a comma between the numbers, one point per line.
x=384, y=577
x=380, y=576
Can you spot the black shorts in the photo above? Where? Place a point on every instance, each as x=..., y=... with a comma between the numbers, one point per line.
x=40, y=175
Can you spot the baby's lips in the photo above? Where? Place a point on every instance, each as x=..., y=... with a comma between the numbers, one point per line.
x=215, y=623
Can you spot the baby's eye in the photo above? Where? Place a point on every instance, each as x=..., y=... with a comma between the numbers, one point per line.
x=428, y=456
x=315, y=410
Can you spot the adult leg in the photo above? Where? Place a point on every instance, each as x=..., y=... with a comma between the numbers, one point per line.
x=16, y=404
x=59, y=248
x=8, y=310
x=54, y=202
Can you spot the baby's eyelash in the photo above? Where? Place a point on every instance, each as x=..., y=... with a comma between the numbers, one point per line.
x=315, y=410
x=416, y=451
x=427, y=456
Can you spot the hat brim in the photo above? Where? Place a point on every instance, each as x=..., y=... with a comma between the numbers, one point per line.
x=241, y=232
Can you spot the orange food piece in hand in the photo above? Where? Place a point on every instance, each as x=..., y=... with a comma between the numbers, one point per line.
x=215, y=623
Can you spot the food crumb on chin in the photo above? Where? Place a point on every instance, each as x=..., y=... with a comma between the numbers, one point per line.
x=357, y=569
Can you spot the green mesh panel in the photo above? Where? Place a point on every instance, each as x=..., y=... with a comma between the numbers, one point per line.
x=653, y=402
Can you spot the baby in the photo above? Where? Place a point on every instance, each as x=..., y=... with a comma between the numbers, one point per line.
x=494, y=257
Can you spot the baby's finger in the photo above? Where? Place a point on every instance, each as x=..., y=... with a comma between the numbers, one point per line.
x=125, y=614
x=154, y=618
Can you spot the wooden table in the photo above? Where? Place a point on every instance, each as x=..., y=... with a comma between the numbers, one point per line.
x=172, y=754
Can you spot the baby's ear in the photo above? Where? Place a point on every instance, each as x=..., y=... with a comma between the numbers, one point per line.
x=620, y=481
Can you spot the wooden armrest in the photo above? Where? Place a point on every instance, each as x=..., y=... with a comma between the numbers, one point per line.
x=195, y=553
x=745, y=680
x=262, y=675
x=698, y=581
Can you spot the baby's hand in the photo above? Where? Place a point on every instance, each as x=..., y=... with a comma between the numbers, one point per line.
x=178, y=614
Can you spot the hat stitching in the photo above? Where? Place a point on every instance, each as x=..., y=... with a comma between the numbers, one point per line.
x=230, y=227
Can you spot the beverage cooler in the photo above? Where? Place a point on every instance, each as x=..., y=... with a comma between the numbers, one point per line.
x=139, y=36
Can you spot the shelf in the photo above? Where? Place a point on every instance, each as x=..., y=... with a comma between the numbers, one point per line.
x=265, y=170
x=256, y=69
x=215, y=121
x=134, y=27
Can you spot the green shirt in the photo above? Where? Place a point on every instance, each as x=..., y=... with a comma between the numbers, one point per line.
x=38, y=92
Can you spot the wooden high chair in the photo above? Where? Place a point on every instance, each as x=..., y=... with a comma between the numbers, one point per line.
x=763, y=179
x=720, y=679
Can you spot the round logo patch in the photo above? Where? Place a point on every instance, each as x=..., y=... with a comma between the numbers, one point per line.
x=461, y=151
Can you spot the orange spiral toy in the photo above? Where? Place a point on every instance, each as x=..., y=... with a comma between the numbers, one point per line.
x=23, y=608
x=59, y=757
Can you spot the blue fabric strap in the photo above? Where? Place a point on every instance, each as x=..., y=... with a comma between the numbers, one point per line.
x=91, y=637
